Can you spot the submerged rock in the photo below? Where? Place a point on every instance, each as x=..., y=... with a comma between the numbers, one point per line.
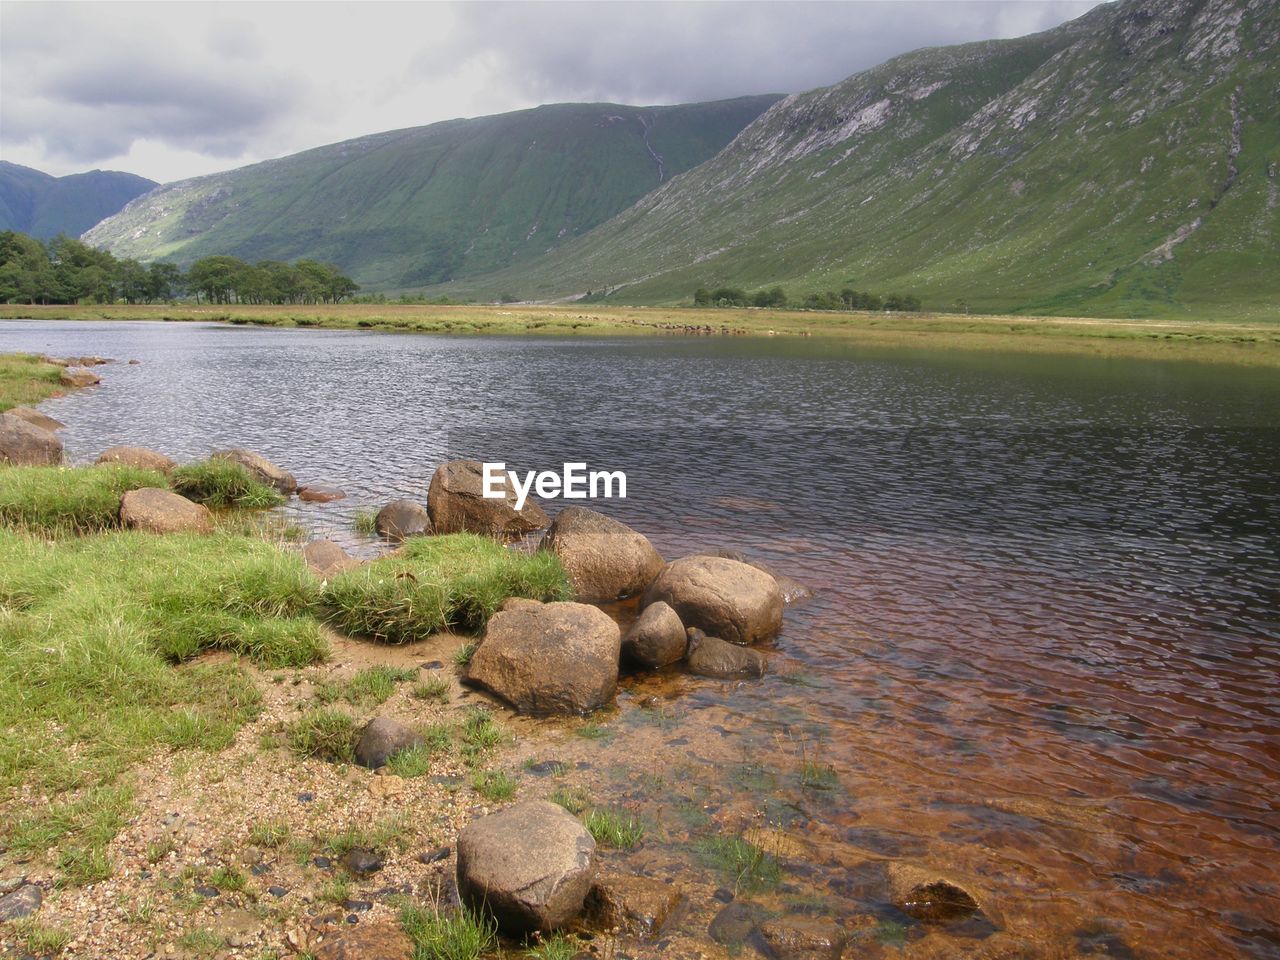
x=635, y=905
x=733, y=925
x=139, y=457
x=712, y=657
x=549, y=658
x=803, y=938
x=457, y=504
x=381, y=739
x=383, y=940
x=605, y=559
x=23, y=444
x=529, y=865
x=726, y=598
x=402, y=518
x=656, y=640
x=78, y=377
x=930, y=896
x=320, y=493
x=261, y=468
x=35, y=418
x=160, y=511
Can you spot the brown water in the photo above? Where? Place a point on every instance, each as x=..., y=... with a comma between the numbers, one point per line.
x=1043, y=655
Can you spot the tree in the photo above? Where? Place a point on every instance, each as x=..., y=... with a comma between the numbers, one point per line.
x=216, y=277
x=702, y=297
x=164, y=281
x=774, y=297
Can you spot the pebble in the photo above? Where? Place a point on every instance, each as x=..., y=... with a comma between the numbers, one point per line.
x=209, y=892
x=433, y=856
x=276, y=891
x=361, y=861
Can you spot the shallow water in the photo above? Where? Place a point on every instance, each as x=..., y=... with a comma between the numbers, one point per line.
x=1045, y=645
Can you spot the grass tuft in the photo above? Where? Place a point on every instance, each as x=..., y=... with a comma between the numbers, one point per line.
x=221, y=483
x=461, y=935
x=613, y=829
x=326, y=734
x=494, y=785
x=750, y=868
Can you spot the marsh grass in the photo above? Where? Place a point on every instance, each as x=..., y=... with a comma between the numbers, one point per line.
x=391, y=833
x=60, y=501
x=365, y=523
x=437, y=935
x=369, y=687
x=746, y=865
x=494, y=785
x=219, y=483
x=434, y=689
x=614, y=829
x=26, y=380
x=573, y=799
x=558, y=946
x=434, y=583
x=39, y=939
x=326, y=733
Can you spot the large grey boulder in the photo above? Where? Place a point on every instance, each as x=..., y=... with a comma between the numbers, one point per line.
x=402, y=518
x=381, y=739
x=139, y=457
x=23, y=444
x=656, y=640
x=530, y=866
x=35, y=418
x=161, y=511
x=726, y=598
x=605, y=559
x=712, y=657
x=261, y=468
x=549, y=658
x=457, y=504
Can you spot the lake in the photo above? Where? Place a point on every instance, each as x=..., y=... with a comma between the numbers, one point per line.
x=1044, y=649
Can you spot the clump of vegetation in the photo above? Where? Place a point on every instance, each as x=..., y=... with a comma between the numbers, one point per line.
x=432, y=583
x=494, y=785
x=40, y=939
x=460, y=935
x=271, y=834
x=220, y=483
x=558, y=946
x=68, y=500
x=369, y=687
x=326, y=734
x=365, y=523
x=614, y=829
x=434, y=689
x=573, y=799
x=26, y=379
x=748, y=866
x=776, y=298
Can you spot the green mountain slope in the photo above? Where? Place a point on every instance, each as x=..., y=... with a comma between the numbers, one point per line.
x=431, y=203
x=1126, y=163
x=42, y=206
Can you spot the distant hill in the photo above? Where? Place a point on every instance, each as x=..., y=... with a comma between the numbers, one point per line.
x=430, y=204
x=42, y=206
x=1126, y=163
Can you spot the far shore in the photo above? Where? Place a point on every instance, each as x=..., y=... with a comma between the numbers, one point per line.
x=1201, y=341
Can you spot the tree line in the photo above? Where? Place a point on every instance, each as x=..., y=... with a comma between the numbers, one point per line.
x=776, y=298
x=65, y=270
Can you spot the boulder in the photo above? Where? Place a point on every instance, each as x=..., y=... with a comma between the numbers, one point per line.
x=161, y=511
x=381, y=739
x=326, y=558
x=712, y=657
x=457, y=504
x=656, y=640
x=262, y=468
x=25, y=445
x=793, y=591
x=635, y=905
x=36, y=418
x=549, y=658
x=803, y=938
x=381, y=940
x=139, y=457
x=529, y=865
x=78, y=377
x=320, y=493
x=726, y=598
x=402, y=518
x=605, y=559
x=22, y=902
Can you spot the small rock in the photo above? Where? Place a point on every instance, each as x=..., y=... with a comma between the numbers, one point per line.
x=547, y=768
x=605, y=559
x=78, y=377
x=262, y=468
x=402, y=518
x=325, y=558
x=22, y=902
x=277, y=891
x=139, y=457
x=357, y=906
x=160, y=511
x=319, y=493
x=362, y=861
x=802, y=938
x=324, y=863
x=306, y=797
x=732, y=926
x=712, y=657
x=381, y=738
x=930, y=896
x=207, y=892
x=435, y=856
x=656, y=640
x=726, y=598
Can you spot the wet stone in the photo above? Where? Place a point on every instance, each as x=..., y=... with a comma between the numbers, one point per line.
x=548, y=768
x=260, y=869
x=732, y=926
x=358, y=906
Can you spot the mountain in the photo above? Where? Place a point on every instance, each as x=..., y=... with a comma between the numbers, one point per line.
x=1125, y=163
x=35, y=203
x=432, y=203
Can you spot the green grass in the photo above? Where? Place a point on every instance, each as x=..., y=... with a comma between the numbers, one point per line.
x=202, y=942
x=368, y=687
x=556, y=947
x=494, y=785
x=434, y=689
x=26, y=380
x=228, y=880
x=271, y=834
x=416, y=761
x=39, y=939
x=325, y=734
x=573, y=799
x=219, y=483
x=365, y=523
x=749, y=868
x=614, y=829
x=434, y=583
x=459, y=935
x=68, y=500
x=463, y=655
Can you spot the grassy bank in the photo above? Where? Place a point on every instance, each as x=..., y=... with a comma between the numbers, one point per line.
x=26, y=380
x=1206, y=341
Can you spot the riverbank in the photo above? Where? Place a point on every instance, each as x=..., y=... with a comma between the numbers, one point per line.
x=1183, y=340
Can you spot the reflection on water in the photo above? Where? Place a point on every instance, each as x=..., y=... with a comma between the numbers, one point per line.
x=1044, y=651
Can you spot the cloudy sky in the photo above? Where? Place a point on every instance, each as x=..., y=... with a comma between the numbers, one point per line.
x=173, y=90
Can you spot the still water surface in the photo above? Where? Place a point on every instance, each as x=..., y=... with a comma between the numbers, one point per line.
x=1045, y=650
